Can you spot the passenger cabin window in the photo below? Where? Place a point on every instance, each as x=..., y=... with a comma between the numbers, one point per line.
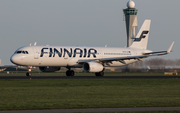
x=22, y=52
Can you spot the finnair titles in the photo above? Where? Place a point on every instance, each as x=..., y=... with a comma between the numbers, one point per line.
x=73, y=52
x=62, y=52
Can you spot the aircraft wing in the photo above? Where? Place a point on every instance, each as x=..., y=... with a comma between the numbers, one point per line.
x=121, y=59
x=161, y=52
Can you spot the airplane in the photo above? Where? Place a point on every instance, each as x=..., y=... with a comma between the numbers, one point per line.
x=91, y=59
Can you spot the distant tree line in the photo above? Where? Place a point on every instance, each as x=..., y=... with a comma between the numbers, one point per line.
x=152, y=65
x=160, y=62
x=157, y=62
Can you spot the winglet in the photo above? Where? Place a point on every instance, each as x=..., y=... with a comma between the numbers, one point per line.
x=169, y=50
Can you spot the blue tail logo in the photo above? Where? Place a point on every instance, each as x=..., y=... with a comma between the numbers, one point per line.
x=143, y=35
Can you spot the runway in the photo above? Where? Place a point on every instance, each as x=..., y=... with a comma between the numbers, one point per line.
x=89, y=77
x=104, y=110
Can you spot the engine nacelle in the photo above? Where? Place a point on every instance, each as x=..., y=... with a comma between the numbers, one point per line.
x=93, y=67
x=49, y=69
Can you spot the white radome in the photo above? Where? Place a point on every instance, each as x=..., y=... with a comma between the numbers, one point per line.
x=130, y=4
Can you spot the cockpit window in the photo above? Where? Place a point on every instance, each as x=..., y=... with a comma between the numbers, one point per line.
x=18, y=52
x=22, y=52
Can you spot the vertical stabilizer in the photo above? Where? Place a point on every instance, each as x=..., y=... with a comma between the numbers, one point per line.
x=141, y=39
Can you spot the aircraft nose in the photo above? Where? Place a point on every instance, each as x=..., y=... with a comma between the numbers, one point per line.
x=15, y=59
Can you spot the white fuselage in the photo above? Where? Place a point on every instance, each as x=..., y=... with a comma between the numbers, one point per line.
x=69, y=56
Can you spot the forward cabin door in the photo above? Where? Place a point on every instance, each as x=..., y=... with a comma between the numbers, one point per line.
x=36, y=53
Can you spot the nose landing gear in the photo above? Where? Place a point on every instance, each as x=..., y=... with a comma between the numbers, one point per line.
x=29, y=71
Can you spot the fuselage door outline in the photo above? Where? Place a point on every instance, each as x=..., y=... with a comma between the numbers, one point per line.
x=36, y=53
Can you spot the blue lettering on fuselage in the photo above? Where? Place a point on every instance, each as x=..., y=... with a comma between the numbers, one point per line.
x=42, y=52
x=78, y=51
x=64, y=52
x=57, y=52
x=93, y=52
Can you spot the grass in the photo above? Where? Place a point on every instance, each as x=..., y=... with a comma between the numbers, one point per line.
x=88, y=93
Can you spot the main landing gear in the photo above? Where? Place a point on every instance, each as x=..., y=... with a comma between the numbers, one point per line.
x=100, y=73
x=70, y=72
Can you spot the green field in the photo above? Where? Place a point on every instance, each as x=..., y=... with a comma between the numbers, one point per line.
x=88, y=93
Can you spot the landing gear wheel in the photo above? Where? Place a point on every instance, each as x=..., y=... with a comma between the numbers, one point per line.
x=100, y=73
x=28, y=74
x=70, y=73
x=29, y=71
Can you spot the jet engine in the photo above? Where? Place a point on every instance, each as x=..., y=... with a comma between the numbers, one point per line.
x=93, y=67
x=49, y=69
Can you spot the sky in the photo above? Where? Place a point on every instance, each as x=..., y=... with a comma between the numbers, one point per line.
x=85, y=23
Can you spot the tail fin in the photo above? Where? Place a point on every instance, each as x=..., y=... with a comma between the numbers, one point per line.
x=142, y=36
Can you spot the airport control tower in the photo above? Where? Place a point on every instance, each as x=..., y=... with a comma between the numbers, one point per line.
x=130, y=14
